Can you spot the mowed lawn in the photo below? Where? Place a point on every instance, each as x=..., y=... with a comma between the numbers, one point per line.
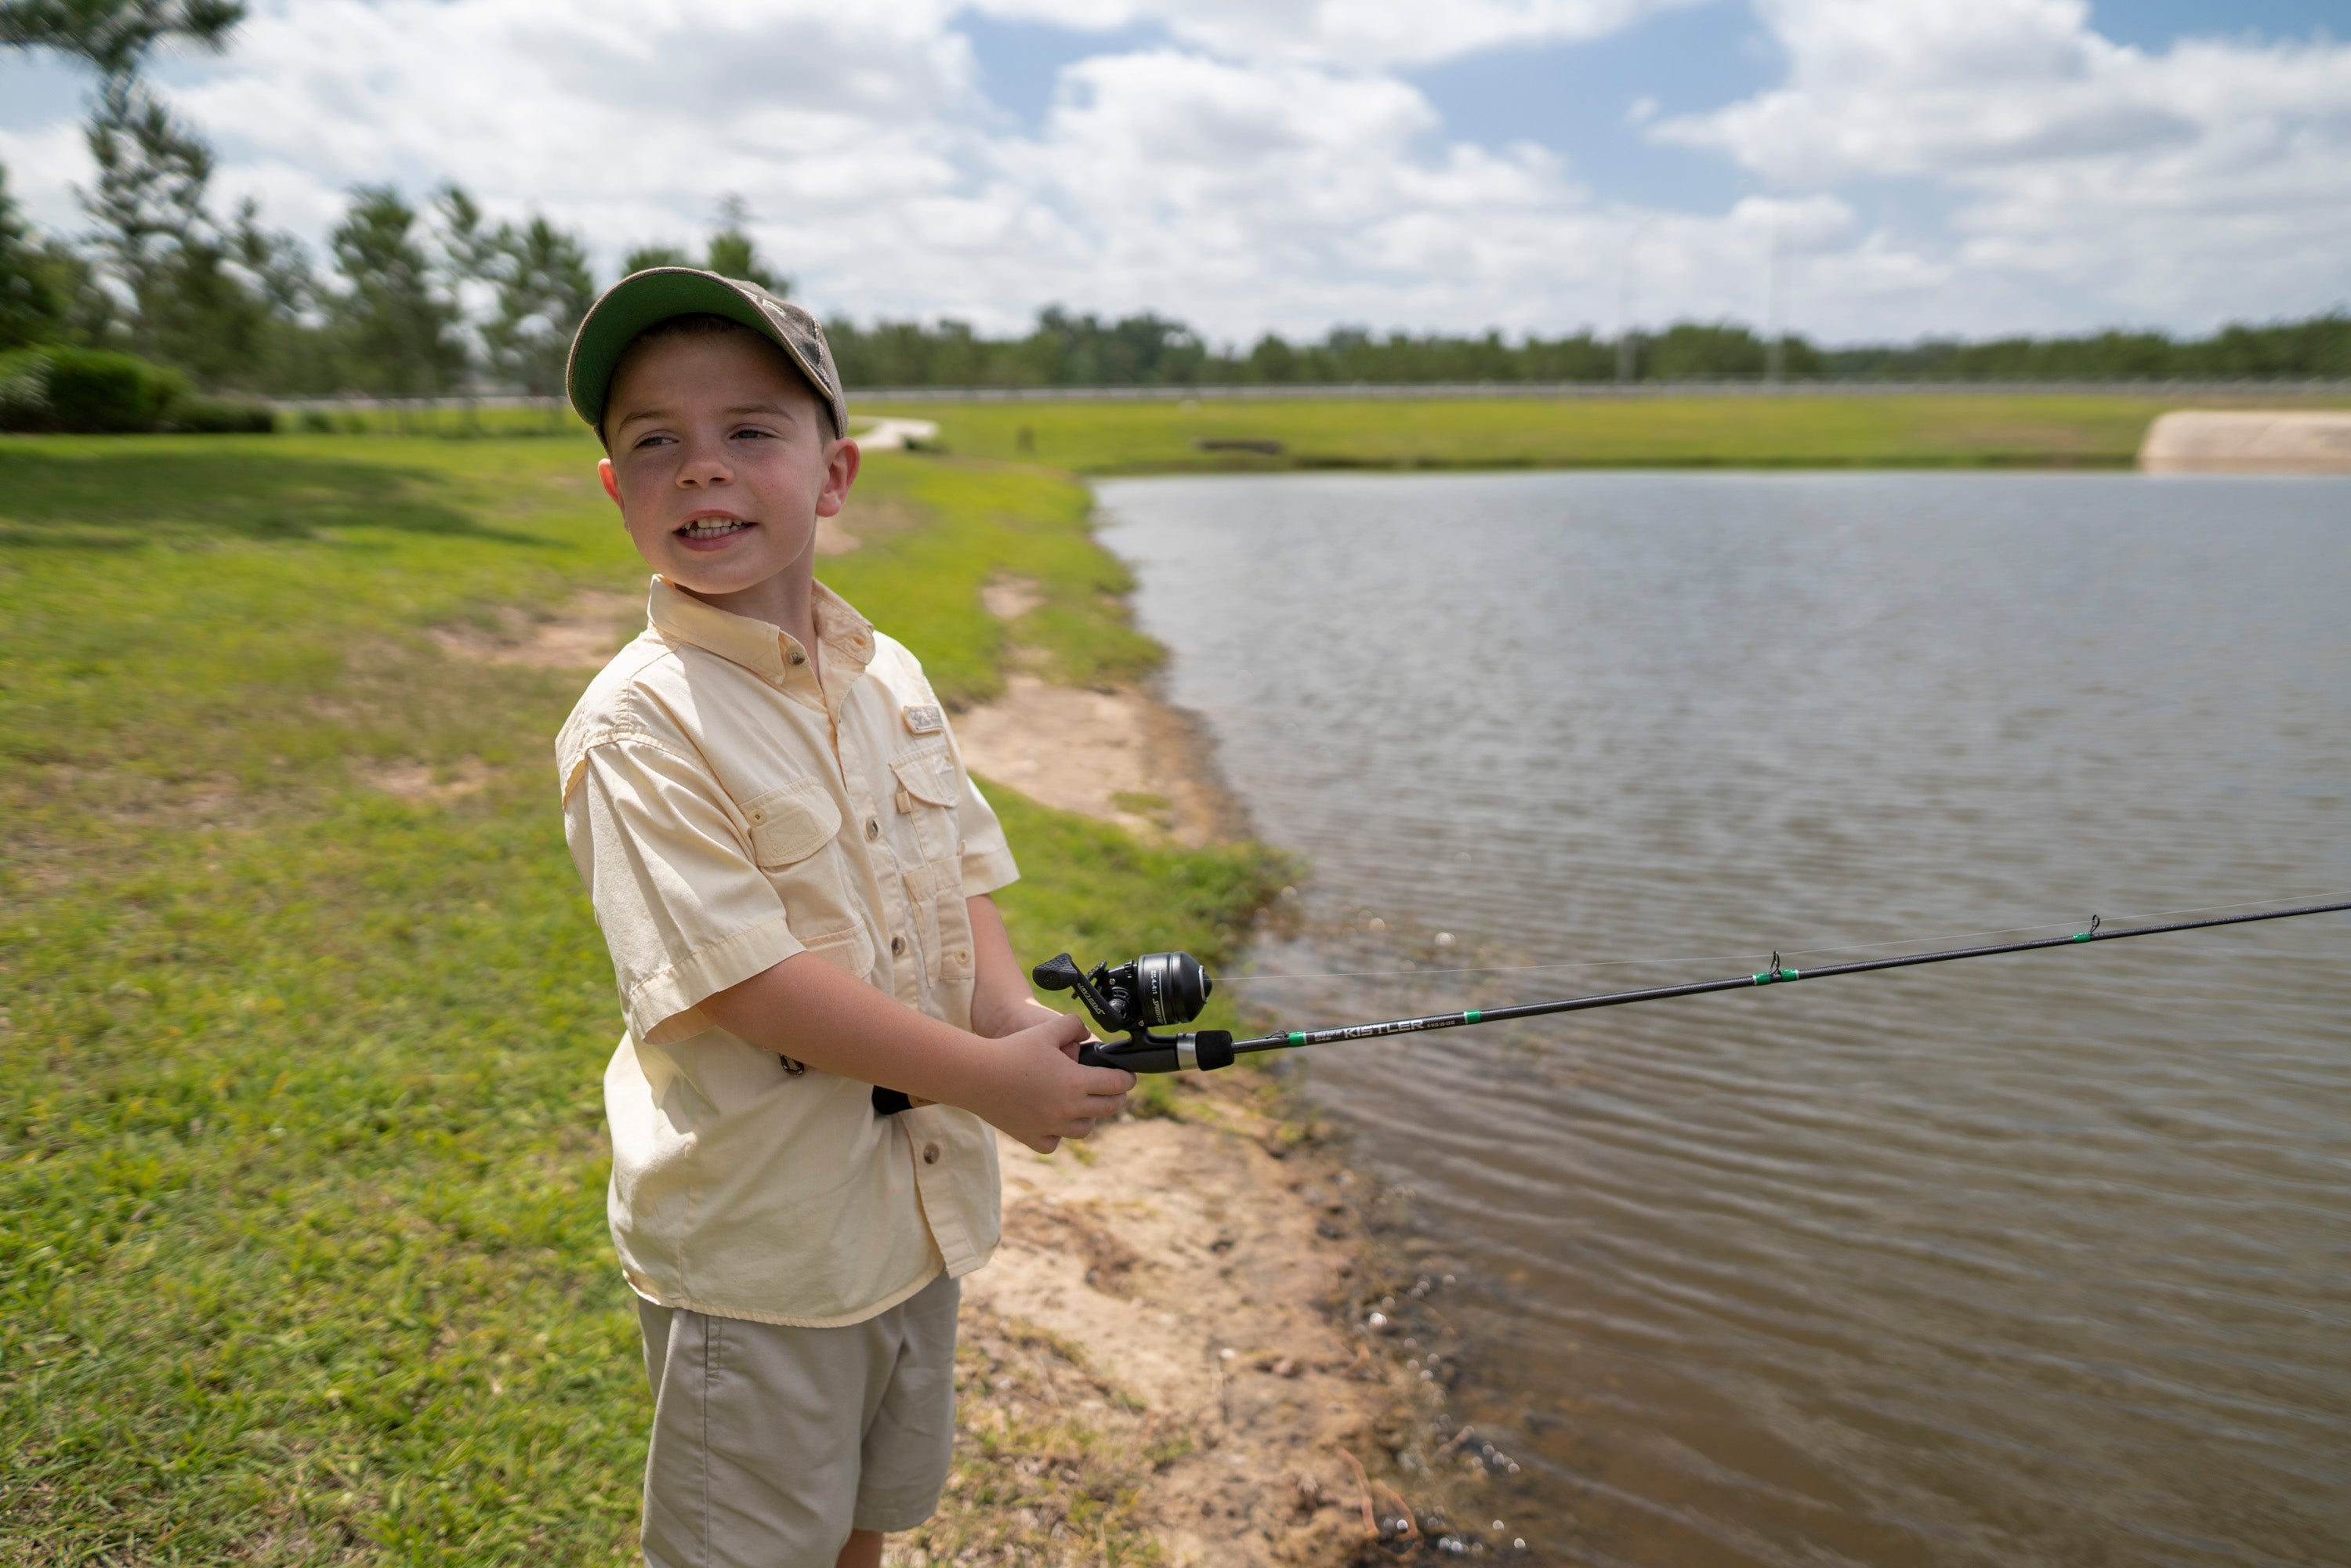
x=302, y=1250
x=1803, y=430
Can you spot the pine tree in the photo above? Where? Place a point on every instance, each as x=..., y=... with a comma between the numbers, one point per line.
x=116, y=36
x=732, y=253
x=650, y=256
x=544, y=289
x=398, y=328
x=34, y=297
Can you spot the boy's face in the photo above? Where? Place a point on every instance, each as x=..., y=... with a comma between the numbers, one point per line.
x=719, y=461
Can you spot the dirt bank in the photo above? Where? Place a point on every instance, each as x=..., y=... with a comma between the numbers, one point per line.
x=1122, y=755
x=1164, y=1347
x=1207, y=1284
x=2268, y=441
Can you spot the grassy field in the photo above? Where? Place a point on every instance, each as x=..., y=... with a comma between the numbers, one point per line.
x=1815, y=432
x=1960, y=430
x=302, y=1252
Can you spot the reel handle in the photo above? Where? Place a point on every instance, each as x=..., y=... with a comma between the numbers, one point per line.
x=1060, y=973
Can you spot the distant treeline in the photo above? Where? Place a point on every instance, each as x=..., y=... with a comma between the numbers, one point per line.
x=433, y=300
x=1152, y=351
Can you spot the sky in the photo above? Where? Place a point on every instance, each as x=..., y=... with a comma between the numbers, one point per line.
x=1852, y=170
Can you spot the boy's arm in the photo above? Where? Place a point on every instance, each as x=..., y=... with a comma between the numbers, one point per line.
x=1001, y=1001
x=1028, y=1083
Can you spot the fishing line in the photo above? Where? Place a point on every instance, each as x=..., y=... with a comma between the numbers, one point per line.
x=1735, y=957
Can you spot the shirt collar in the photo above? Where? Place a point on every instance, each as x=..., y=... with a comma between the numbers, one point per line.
x=762, y=647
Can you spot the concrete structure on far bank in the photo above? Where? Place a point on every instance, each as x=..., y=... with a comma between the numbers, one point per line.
x=2266, y=440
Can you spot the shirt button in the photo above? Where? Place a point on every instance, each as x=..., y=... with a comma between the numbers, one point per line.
x=872, y=827
x=930, y=1154
x=897, y=946
x=798, y=657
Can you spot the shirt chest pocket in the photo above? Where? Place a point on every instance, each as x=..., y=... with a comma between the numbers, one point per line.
x=793, y=828
x=929, y=792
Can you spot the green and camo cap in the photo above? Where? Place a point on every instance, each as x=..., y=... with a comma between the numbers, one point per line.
x=643, y=299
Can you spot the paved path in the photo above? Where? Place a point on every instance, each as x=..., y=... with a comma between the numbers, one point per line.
x=895, y=435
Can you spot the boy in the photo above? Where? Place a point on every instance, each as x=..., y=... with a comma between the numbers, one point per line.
x=792, y=871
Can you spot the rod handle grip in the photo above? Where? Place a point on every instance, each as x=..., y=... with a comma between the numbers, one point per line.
x=1207, y=1050
x=1132, y=1057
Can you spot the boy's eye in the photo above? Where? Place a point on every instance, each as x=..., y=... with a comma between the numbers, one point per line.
x=654, y=440
x=748, y=430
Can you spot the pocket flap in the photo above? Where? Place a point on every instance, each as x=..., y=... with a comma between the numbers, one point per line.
x=928, y=776
x=790, y=822
x=851, y=950
x=927, y=882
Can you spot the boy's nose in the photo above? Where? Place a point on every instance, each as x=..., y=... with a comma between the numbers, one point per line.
x=703, y=465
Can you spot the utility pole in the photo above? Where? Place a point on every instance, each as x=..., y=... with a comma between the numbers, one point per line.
x=1775, y=347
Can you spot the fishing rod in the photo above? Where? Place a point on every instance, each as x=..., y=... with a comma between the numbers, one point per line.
x=1160, y=989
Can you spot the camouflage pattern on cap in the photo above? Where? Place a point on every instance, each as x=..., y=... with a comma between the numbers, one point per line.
x=643, y=298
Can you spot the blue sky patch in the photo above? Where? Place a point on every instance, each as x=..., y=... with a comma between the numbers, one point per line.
x=1021, y=62
x=1579, y=99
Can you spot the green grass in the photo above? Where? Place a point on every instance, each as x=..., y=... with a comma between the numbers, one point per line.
x=1010, y=520
x=1805, y=431
x=302, y=1250
x=459, y=424
x=1960, y=430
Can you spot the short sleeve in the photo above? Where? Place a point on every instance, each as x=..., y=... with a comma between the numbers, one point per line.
x=986, y=854
x=684, y=910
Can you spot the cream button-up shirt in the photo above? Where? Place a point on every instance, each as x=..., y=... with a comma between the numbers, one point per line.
x=730, y=802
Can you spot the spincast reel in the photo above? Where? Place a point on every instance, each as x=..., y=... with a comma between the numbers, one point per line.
x=1153, y=991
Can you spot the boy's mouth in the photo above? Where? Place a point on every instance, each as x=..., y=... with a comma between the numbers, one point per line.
x=704, y=532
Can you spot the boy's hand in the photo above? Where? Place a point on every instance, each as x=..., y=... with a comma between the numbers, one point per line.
x=1026, y=1082
x=1036, y=1092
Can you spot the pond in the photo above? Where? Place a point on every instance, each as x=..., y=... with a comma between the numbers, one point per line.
x=2037, y=1259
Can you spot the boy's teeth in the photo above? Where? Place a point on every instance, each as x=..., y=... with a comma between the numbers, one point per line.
x=709, y=526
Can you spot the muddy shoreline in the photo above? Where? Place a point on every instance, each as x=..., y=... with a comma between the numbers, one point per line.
x=1222, y=1274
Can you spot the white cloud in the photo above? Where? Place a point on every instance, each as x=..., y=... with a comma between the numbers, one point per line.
x=1268, y=166
x=2212, y=179
x=45, y=167
x=1282, y=195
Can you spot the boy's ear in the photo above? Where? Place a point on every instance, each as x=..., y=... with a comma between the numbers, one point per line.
x=612, y=485
x=841, y=466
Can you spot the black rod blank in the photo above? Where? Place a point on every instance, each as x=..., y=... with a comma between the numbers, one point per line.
x=1773, y=976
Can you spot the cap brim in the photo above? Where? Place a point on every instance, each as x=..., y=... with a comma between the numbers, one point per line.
x=656, y=294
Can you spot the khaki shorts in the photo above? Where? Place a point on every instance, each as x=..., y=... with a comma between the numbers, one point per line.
x=770, y=1444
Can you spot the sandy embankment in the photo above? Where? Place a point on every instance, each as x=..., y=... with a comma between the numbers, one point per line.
x=1170, y=1325
x=1206, y=1269
x=2263, y=441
